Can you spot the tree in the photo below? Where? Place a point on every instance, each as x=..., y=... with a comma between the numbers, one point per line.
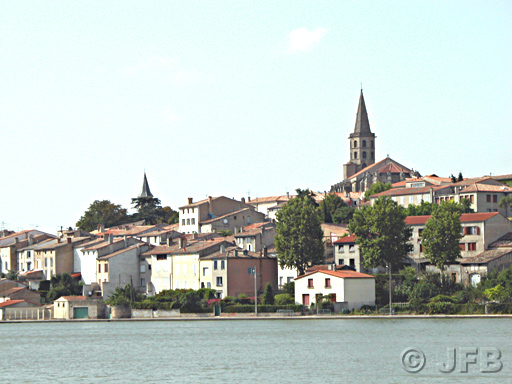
x=12, y=275
x=268, y=295
x=495, y=294
x=505, y=202
x=102, y=212
x=124, y=296
x=299, y=236
x=381, y=234
x=426, y=209
x=329, y=206
x=441, y=235
x=62, y=284
x=375, y=188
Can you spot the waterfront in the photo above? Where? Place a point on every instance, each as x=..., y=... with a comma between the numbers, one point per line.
x=244, y=351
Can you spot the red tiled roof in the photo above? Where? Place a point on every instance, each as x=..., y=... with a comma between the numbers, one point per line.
x=226, y=215
x=344, y=274
x=486, y=256
x=346, y=239
x=11, y=290
x=10, y=302
x=75, y=275
x=464, y=218
x=477, y=187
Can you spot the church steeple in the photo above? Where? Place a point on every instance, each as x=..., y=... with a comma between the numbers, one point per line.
x=146, y=192
x=362, y=123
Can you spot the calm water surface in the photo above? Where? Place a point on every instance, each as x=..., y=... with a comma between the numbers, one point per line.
x=245, y=351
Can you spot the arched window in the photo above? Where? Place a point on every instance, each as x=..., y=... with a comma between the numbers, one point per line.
x=355, y=155
x=364, y=143
x=355, y=143
x=364, y=155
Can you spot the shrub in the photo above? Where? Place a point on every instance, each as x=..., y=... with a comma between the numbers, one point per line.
x=268, y=295
x=284, y=299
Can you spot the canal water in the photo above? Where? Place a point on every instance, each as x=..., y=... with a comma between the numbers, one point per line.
x=261, y=351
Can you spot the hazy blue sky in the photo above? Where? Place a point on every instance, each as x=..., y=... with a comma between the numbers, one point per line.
x=222, y=98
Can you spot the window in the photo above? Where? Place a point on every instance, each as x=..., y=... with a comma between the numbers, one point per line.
x=215, y=266
x=351, y=248
x=51, y=262
x=222, y=264
x=182, y=221
x=471, y=246
x=341, y=262
x=208, y=284
x=161, y=257
x=355, y=143
x=327, y=283
x=280, y=280
x=488, y=198
x=106, y=267
x=188, y=221
x=310, y=283
x=421, y=248
x=205, y=271
x=219, y=281
x=462, y=246
x=472, y=198
x=193, y=221
x=341, y=249
x=402, y=200
x=494, y=198
x=249, y=247
x=142, y=268
x=142, y=282
x=99, y=267
x=364, y=155
x=352, y=262
x=420, y=232
x=364, y=143
x=45, y=263
x=355, y=155
x=289, y=280
x=471, y=230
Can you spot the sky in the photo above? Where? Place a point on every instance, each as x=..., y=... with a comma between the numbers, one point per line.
x=240, y=98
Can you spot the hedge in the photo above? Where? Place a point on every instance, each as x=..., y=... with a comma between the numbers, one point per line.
x=261, y=308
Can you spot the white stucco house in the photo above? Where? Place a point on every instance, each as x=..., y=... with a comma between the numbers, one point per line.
x=345, y=286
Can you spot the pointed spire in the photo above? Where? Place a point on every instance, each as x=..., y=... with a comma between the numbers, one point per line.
x=145, y=188
x=362, y=123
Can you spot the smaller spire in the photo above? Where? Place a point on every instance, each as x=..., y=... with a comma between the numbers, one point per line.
x=362, y=123
x=145, y=188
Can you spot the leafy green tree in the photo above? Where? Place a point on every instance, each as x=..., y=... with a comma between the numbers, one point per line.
x=284, y=299
x=329, y=206
x=289, y=288
x=505, y=202
x=226, y=233
x=268, y=295
x=124, y=296
x=441, y=235
x=102, y=212
x=377, y=187
x=496, y=293
x=299, y=236
x=465, y=206
x=12, y=275
x=426, y=209
x=381, y=234
x=149, y=209
x=62, y=284
x=460, y=177
x=343, y=215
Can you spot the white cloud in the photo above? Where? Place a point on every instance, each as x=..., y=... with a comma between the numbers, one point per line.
x=303, y=39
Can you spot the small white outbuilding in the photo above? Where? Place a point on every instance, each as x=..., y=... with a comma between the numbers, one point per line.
x=354, y=289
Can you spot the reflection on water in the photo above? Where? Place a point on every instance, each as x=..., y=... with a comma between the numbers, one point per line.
x=245, y=351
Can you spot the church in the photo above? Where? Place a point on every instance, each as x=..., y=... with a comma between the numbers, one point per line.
x=362, y=171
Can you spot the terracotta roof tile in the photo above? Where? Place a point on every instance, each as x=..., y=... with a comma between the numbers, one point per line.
x=10, y=302
x=464, y=218
x=73, y=298
x=346, y=240
x=486, y=256
x=344, y=274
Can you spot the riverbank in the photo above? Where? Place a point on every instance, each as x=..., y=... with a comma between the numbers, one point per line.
x=264, y=317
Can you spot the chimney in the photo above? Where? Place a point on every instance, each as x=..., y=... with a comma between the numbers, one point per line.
x=30, y=240
x=68, y=239
x=105, y=237
x=235, y=231
x=111, y=239
x=242, y=200
x=288, y=195
x=236, y=252
x=125, y=239
x=210, y=205
x=169, y=241
x=246, y=252
x=180, y=242
x=249, y=199
x=222, y=248
x=101, y=228
x=194, y=236
x=265, y=254
x=16, y=240
x=190, y=199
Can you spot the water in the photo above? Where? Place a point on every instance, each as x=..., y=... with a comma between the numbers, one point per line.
x=245, y=351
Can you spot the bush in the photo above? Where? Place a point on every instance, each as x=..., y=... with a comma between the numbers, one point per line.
x=268, y=295
x=261, y=308
x=284, y=299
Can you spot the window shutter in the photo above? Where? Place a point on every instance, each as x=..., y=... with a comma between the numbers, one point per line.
x=477, y=230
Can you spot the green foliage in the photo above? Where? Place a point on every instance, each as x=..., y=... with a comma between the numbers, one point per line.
x=225, y=233
x=441, y=235
x=331, y=205
x=423, y=209
x=150, y=210
x=261, y=308
x=44, y=285
x=284, y=299
x=496, y=293
x=12, y=275
x=299, y=237
x=289, y=288
x=102, y=212
x=126, y=295
x=505, y=202
x=343, y=215
x=62, y=285
x=381, y=232
x=268, y=295
x=377, y=187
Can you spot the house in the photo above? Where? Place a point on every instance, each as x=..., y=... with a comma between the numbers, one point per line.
x=6, y=284
x=8, y=258
x=79, y=307
x=352, y=288
x=20, y=293
x=255, y=237
x=264, y=204
x=22, y=235
x=21, y=309
x=216, y=213
x=177, y=264
x=230, y=271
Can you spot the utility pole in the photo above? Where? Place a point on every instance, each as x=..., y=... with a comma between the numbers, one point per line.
x=255, y=294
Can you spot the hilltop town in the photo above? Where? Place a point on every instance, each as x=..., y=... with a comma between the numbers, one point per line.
x=225, y=248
